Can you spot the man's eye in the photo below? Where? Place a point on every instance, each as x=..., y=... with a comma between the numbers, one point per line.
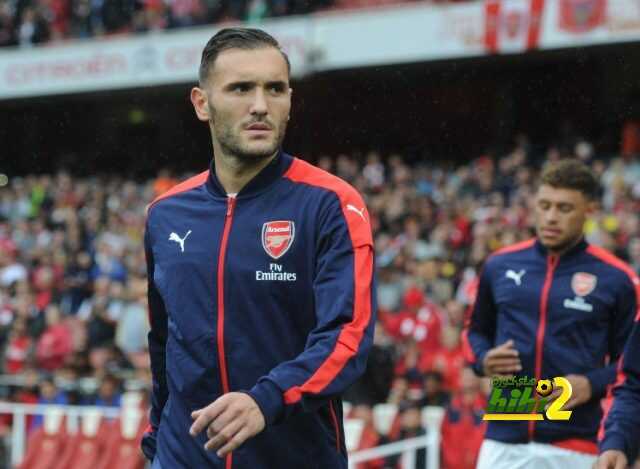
x=241, y=88
x=276, y=89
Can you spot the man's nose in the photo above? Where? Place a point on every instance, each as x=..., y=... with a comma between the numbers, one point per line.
x=259, y=105
x=551, y=216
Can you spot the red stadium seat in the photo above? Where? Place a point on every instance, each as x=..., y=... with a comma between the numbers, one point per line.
x=86, y=451
x=45, y=447
x=122, y=448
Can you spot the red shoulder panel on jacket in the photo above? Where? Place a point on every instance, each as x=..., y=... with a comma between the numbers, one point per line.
x=184, y=186
x=609, y=258
x=521, y=246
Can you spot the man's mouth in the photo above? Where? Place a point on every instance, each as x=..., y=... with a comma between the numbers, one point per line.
x=551, y=232
x=259, y=126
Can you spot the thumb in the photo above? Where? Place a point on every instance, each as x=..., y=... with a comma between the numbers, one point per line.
x=508, y=344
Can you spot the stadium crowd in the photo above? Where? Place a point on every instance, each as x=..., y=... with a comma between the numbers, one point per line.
x=73, y=318
x=30, y=22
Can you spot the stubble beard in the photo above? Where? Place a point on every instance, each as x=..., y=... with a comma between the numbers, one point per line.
x=564, y=244
x=233, y=146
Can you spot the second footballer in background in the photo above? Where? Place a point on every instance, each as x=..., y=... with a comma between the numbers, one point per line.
x=552, y=306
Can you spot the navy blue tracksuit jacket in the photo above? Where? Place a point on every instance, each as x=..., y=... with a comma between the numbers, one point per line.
x=567, y=315
x=620, y=427
x=270, y=292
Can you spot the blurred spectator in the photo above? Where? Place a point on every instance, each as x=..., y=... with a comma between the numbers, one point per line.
x=48, y=394
x=7, y=35
x=257, y=10
x=108, y=392
x=434, y=391
x=11, y=271
x=410, y=427
x=370, y=437
x=463, y=427
x=163, y=182
x=449, y=359
x=77, y=283
x=374, y=385
x=55, y=344
x=133, y=325
x=420, y=321
x=18, y=347
x=33, y=27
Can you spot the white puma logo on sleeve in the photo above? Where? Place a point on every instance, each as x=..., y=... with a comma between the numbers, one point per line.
x=516, y=277
x=177, y=239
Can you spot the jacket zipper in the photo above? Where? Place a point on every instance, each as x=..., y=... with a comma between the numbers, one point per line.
x=552, y=263
x=222, y=362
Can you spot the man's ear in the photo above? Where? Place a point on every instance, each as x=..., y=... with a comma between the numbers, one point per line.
x=200, y=102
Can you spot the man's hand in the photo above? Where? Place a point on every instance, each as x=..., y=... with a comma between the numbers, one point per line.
x=503, y=360
x=611, y=459
x=580, y=391
x=230, y=421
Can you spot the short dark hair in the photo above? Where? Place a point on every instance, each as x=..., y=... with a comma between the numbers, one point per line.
x=571, y=174
x=236, y=38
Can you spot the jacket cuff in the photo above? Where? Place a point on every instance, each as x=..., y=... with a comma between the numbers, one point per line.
x=270, y=400
x=477, y=365
x=617, y=441
x=148, y=444
x=600, y=379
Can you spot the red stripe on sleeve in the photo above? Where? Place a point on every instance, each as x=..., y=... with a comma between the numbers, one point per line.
x=357, y=219
x=608, y=258
x=607, y=403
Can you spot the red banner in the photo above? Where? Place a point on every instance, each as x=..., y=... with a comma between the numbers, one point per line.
x=512, y=25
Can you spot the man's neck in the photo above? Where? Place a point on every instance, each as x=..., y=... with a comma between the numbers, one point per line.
x=234, y=173
x=566, y=248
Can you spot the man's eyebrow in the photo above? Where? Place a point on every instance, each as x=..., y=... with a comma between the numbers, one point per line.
x=280, y=83
x=245, y=83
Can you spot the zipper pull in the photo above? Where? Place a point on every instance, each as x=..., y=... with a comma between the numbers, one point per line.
x=230, y=204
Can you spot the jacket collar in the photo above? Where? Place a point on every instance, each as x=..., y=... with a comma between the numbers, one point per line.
x=581, y=246
x=269, y=174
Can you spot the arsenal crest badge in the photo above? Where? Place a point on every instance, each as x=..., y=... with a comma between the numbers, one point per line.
x=583, y=283
x=277, y=237
x=581, y=16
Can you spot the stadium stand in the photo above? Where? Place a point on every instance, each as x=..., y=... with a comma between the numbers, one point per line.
x=28, y=23
x=72, y=289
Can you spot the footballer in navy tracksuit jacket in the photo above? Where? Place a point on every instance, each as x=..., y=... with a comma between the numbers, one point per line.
x=567, y=314
x=620, y=429
x=270, y=292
